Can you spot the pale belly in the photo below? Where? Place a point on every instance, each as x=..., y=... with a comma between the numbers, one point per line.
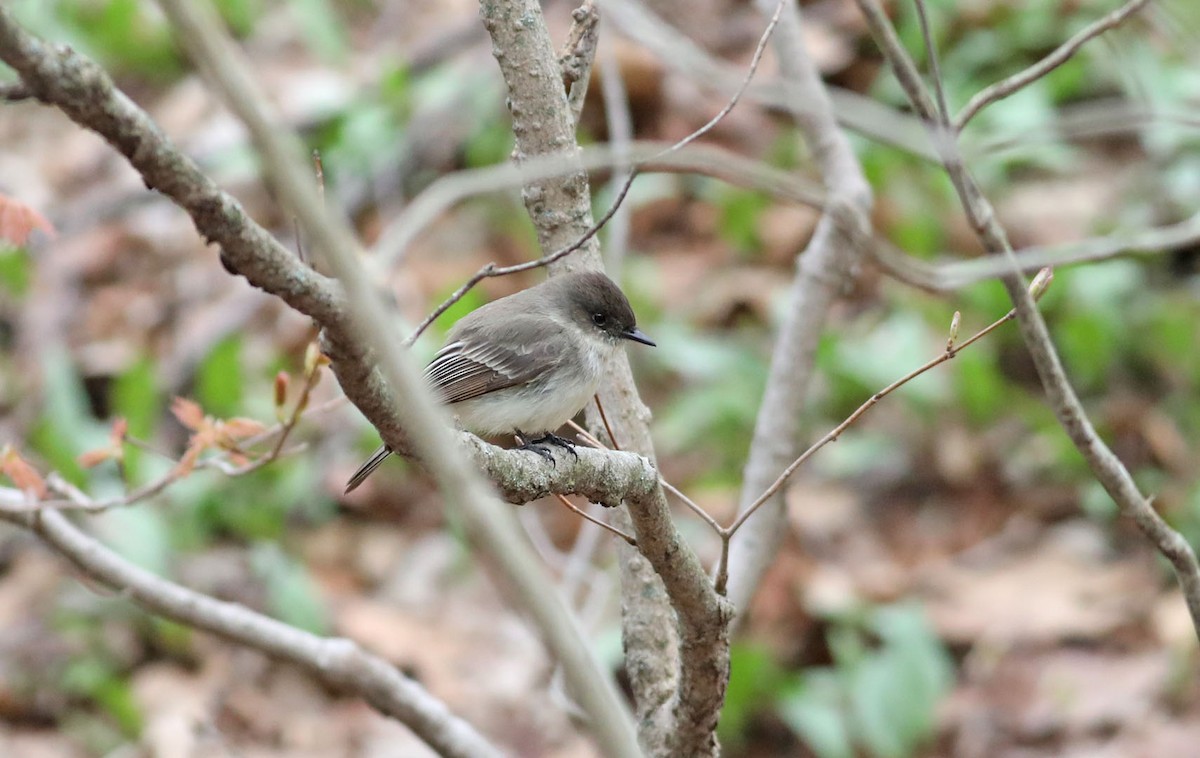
x=534, y=408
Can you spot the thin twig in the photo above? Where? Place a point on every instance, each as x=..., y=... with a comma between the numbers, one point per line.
x=1107, y=468
x=612, y=438
x=492, y=270
x=722, y=573
x=1061, y=55
x=691, y=504
x=589, y=517
x=935, y=68
x=683, y=498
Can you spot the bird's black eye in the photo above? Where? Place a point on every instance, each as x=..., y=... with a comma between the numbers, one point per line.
x=599, y=319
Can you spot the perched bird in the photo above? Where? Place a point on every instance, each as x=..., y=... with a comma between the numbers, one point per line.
x=529, y=361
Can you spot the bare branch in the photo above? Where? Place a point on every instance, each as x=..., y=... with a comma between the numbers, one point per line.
x=1105, y=465
x=338, y=662
x=491, y=270
x=492, y=526
x=1061, y=55
x=952, y=275
x=588, y=517
x=620, y=136
x=86, y=94
x=824, y=270
x=709, y=160
x=579, y=53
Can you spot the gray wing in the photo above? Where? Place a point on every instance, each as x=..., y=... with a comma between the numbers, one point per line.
x=514, y=353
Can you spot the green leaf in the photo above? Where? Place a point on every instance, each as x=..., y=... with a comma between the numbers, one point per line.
x=874, y=684
x=219, y=381
x=919, y=667
x=97, y=679
x=66, y=427
x=814, y=711
x=135, y=397
x=753, y=680
x=15, y=269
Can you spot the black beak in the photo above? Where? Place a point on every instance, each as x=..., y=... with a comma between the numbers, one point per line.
x=637, y=335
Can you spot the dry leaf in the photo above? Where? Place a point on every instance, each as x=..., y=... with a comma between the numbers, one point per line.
x=190, y=456
x=115, y=449
x=188, y=412
x=240, y=428
x=95, y=457
x=21, y=472
x=18, y=221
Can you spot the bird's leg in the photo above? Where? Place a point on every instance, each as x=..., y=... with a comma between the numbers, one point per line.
x=540, y=445
x=550, y=438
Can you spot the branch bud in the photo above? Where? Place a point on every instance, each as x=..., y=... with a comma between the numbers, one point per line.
x=1041, y=282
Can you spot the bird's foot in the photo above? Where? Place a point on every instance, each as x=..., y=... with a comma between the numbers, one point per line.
x=542, y=444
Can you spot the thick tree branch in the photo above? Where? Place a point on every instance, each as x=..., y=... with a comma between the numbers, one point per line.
x=57, y=75
x=679, y=690
x=338, y=662
x=81, y=89
x=492, y=526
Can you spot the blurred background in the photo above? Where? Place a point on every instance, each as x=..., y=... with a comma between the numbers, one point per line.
x=953, y=582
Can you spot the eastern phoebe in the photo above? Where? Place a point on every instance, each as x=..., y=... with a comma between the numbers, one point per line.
x=529, y=361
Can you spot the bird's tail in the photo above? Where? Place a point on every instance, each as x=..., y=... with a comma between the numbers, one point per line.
x=365, y=470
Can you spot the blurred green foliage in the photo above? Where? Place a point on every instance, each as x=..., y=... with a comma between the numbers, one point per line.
x=1121, y=325
x=878, y=698
x=14, y=270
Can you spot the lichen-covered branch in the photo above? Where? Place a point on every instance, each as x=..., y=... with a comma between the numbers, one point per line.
x=60, y=77
x=675, y=627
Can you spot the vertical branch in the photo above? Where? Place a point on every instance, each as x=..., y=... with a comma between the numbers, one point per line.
x=823, y=270
x=675, y=627
x=579, y=53
x=491, y=524
x=1063, y=400
x=620, y=134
